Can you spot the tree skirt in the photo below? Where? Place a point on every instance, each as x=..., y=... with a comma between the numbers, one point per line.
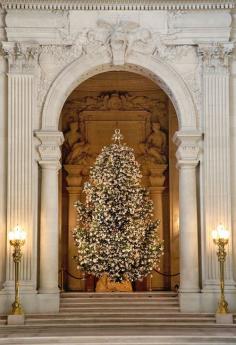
x=106, y=285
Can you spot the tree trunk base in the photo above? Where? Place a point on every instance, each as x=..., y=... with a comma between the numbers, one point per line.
x=106, y=285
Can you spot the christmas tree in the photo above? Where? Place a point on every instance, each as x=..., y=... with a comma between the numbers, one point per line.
x=115, y=234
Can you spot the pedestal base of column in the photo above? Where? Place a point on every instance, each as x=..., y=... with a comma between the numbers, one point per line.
x=210, y=299
x=16, y=320
x=224, y=319
x=48, y=302
x=190, y=302
x=31, y=302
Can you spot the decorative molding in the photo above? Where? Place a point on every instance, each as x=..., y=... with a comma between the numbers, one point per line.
x=50, y=145
x=114, y=5
x=22, y=56
x=215, y=56
x=188, y=150
x=193, y=80
x=52, y=59
x=117, y=42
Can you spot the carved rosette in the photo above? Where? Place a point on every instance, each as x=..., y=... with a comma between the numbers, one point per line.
x=215, y=56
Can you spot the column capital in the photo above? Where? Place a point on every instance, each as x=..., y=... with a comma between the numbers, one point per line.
x=49, y=149
x=215, y=56
x=22, y=56
x=188, y=150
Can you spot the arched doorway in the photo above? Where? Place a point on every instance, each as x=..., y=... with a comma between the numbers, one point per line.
x=187, y=138
x=135, y=104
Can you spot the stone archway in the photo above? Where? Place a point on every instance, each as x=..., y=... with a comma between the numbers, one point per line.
x=187, y=139
x=81, y=69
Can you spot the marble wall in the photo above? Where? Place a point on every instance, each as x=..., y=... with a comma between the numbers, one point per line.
x=46, y=52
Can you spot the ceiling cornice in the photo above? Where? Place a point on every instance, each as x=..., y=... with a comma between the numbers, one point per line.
x=118, y=5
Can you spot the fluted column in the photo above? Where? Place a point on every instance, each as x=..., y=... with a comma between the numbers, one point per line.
x=187, y=160
x=22, y=64
x=3, y=156
x=49, y=232
x=216, y=188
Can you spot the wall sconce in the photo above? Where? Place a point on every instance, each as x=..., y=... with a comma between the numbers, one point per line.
x=221, y=238
x=17, y=238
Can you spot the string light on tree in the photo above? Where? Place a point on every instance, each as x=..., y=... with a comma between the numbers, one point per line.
x=115, y=234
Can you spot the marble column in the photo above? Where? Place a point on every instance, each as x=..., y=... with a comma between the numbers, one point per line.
x=49, y=233
x=22, y=65
x=187, y=160
x=3, y=155
x=157, y=179
x=216, y=188
x=74, y=188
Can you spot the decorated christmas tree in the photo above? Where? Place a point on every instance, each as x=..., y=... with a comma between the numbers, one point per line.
x=115, y=234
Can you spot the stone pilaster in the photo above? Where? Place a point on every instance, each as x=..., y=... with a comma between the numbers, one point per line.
x=22, y=63
x=3, y=155
x=49, y=233
x=216, y=153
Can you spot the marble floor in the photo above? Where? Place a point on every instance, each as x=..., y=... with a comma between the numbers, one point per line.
x=119, y=335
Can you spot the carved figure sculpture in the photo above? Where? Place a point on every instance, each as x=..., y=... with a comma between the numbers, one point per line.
x=77, y=147
x=153, y=149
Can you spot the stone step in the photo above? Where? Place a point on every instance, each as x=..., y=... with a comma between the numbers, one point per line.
x=119, y=340
x=119, y=300
x=118, y=305
x=64, y=315
x=119, y=321
x=120, y=311
x=119, y=294
x=135, y=324
x=120, y=308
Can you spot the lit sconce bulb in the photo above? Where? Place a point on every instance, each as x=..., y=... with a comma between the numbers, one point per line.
x=17, y=234
x=220, y=233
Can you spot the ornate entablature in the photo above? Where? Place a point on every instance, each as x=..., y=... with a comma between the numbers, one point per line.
x=122, y=5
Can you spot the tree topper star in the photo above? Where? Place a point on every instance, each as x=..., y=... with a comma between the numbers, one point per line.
x=117, y=136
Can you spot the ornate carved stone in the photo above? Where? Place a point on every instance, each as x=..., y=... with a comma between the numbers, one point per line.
x=22, y=56
x=116, y=101
x=188, y=147
x=215, y=56
x=117, y=6
x=75, y=146
x=153, y=150
x=50, y=145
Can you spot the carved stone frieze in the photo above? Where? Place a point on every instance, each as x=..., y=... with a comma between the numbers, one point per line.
x=215, y=57
x=115, y=101
x=116, y=41
x=22, y=56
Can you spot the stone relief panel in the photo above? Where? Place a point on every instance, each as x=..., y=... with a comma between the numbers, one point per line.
x=115, y=41
x=142, y=120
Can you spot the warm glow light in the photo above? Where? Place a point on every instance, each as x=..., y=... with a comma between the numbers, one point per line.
x=220, y=233
x=17, y=234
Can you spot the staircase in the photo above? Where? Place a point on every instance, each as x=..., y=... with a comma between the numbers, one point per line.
x=120, y=309
x=142, y=318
